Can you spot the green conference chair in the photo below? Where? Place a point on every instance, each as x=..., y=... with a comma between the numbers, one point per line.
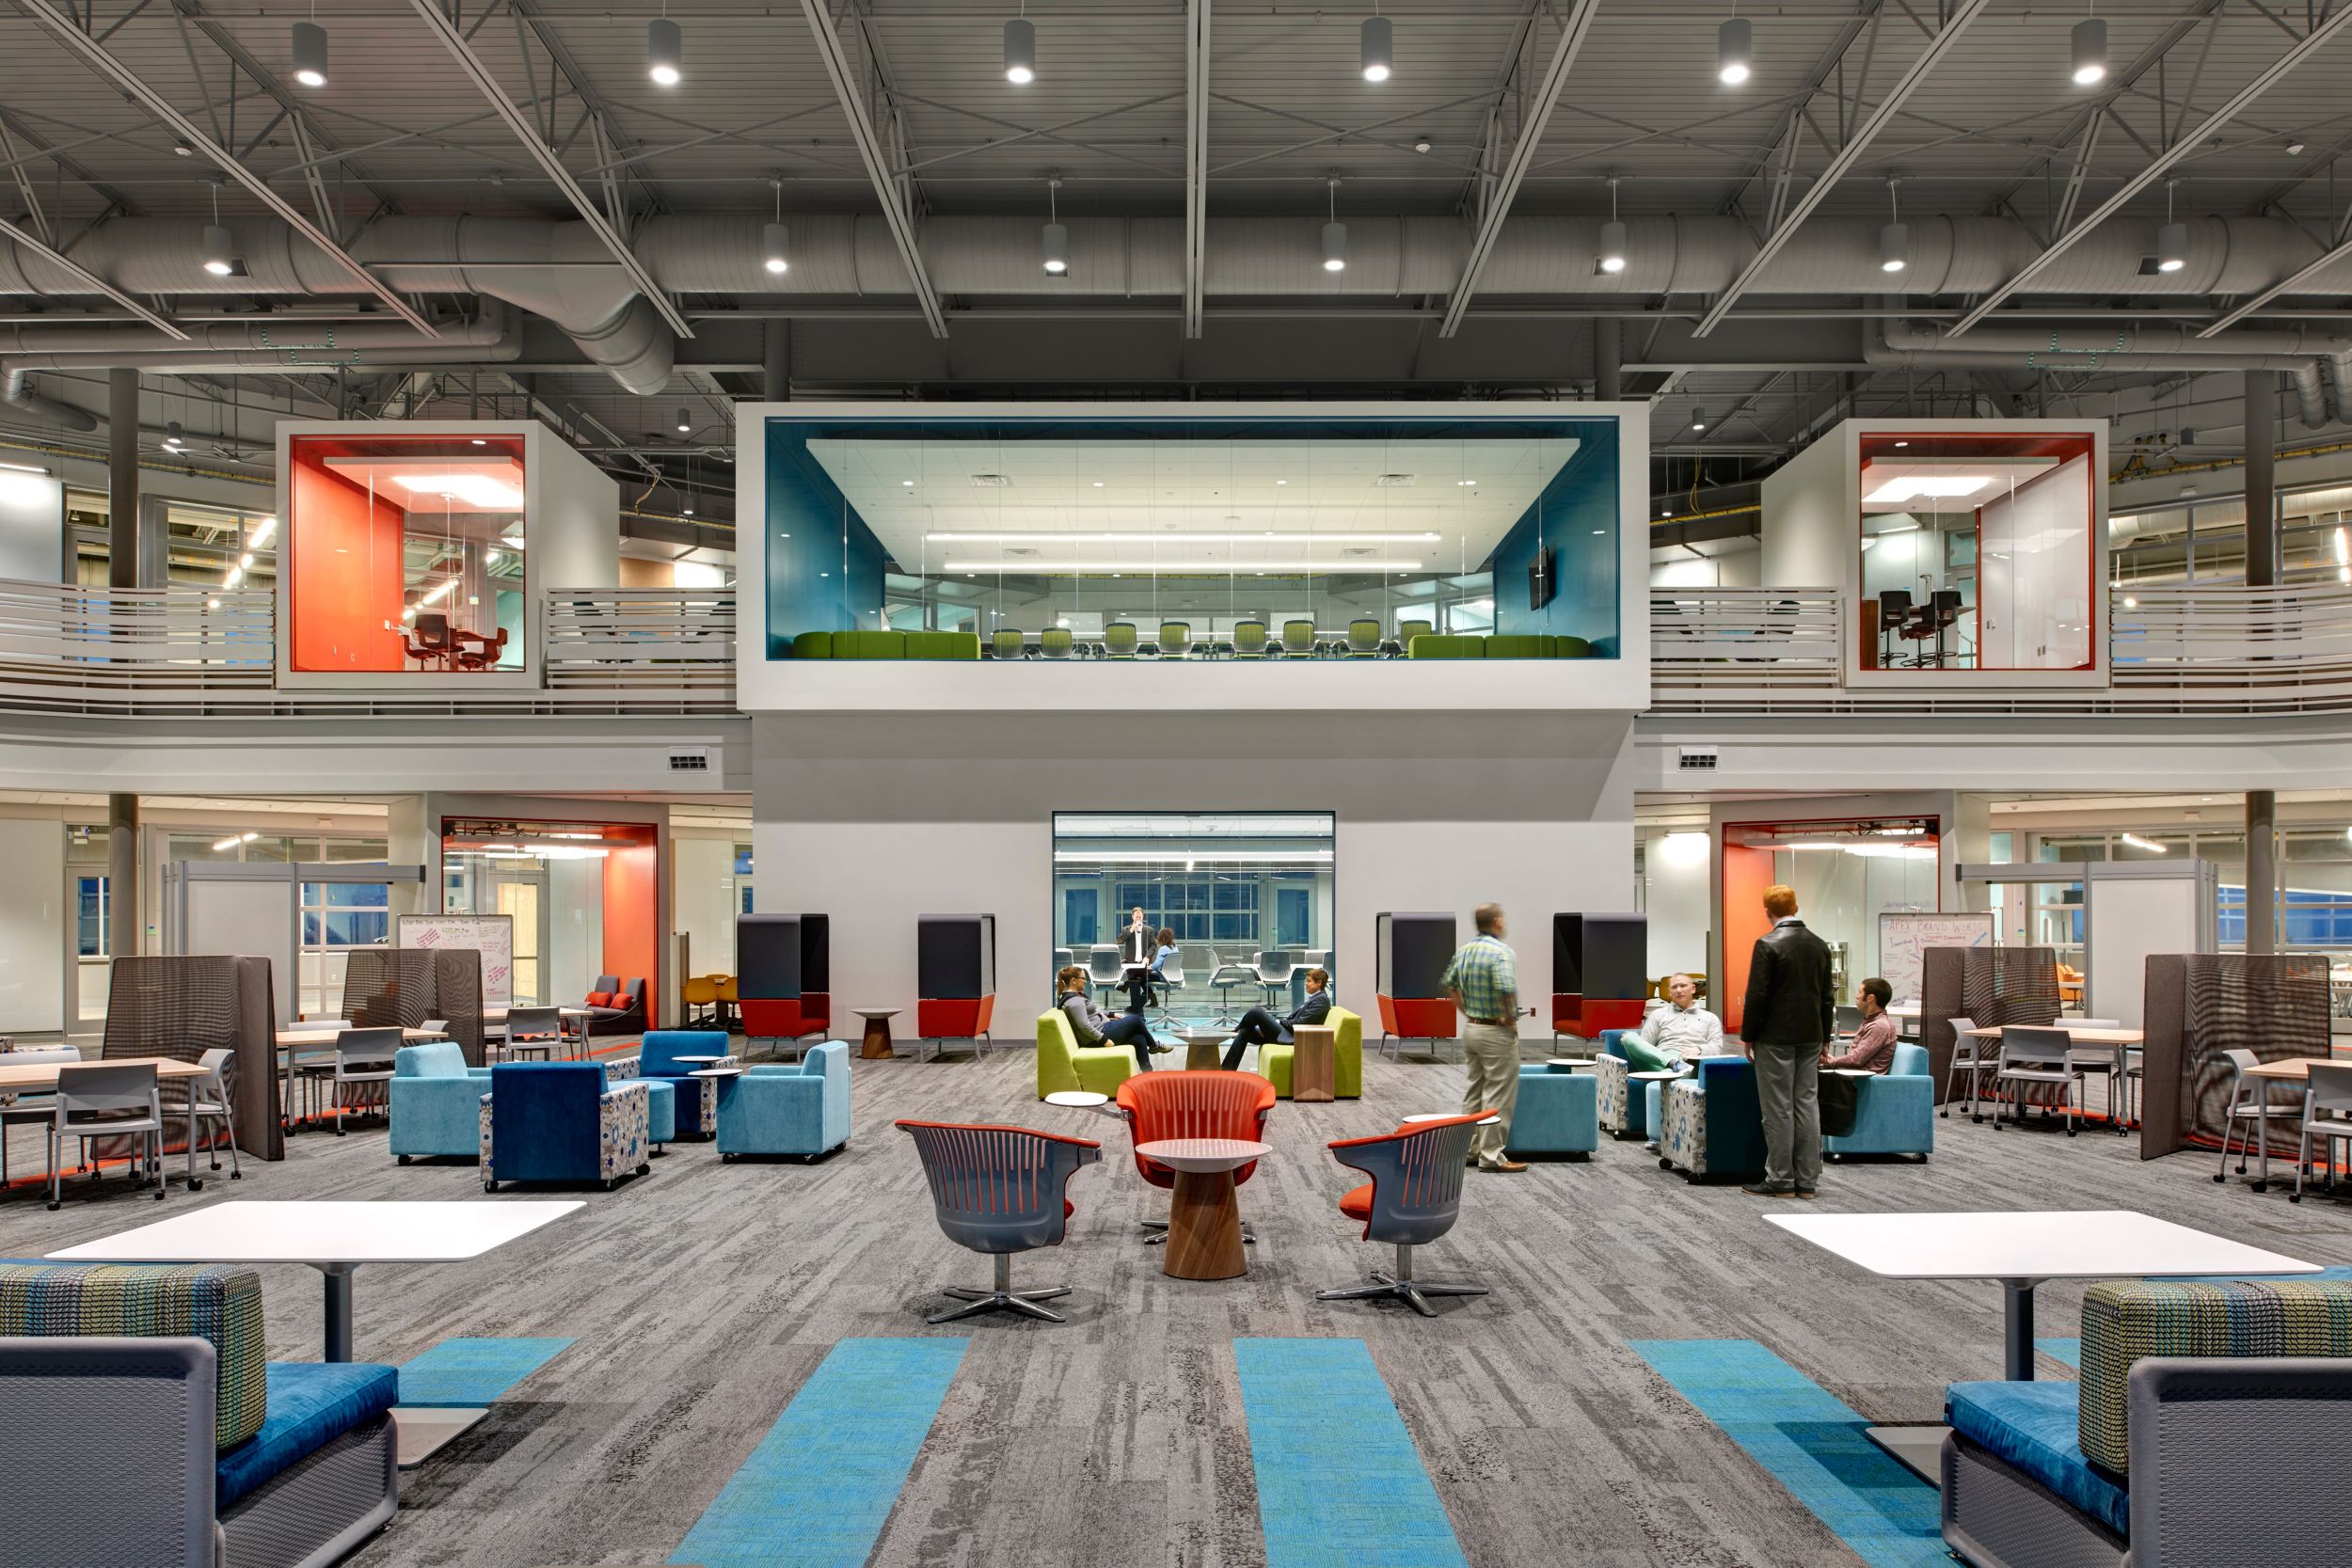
x=1363, y=640
x=1298, y=639
x=1009, y=644
x=1407, y=631
x=1119, y=639
x=1175, y=639
x=1249, y=639
x=1054, y=643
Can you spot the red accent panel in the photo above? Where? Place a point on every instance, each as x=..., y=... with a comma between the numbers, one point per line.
x=1747, y=872
x=1590, y=1017
x=631, y=947
x=815, y=1013
x=948, y=1017
x=1424, y=1018
x=772, y=1018
x=346, y=573
x=1568, y=1010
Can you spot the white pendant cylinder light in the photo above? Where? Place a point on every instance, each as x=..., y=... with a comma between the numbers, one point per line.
x=685, y=422
x=2171, y=238
x=220, y=252
x=1735, y=50
x=1613, y=245
x=1335, y=236
x=1894, y=239
x=1019, y=51
x=1379, y=46
x=665, y=52
x=775, y=240
x=309, y=53
x=2090, y=52
x=1056, y=235
x=1698, y=418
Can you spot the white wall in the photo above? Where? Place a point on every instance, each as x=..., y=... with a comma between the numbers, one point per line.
x=32, y=527
x=33, y=919
x=704, y=902
x=876, y=820
x=1676, y=900
x=574, y=929
x=1809, y=531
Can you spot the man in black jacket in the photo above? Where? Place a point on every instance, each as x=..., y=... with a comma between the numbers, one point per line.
x=1785, y=1019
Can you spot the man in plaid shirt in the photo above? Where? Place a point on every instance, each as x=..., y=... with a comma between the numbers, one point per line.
x=1483, y=980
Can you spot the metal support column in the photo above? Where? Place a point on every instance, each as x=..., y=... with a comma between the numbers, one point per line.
x=122, y=876
x=775, y=346
x=2261, y=869
x=2262, y=450
x=1608, y=358
x=122, y=479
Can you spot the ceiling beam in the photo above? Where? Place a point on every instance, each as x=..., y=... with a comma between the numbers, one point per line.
x=2270, y=76
x=877, y=169
x=603, y=225
x=1506, y=186
x=90, y=279
x=2286, y=285
x=1196, y=160
x=113, y=71
x=1845, y=158
x=560, y=58
x=1787, y=126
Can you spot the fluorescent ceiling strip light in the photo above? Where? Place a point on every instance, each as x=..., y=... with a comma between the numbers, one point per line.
x=439, y=594
x=1183, y=538
x=1194, y=568
x=474, y=489
x=1131, y=857
x=2148, y=844
x=1905, y=488
x=235, y=839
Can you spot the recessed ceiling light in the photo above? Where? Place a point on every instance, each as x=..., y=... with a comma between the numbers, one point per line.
x=1098, y=484
x=906, y=484
x=1903, y=443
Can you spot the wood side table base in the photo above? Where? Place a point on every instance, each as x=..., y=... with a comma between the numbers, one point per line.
x=876, y=1046
x=1204, y=1229
x=1201, y=1053
x=1314, y=1064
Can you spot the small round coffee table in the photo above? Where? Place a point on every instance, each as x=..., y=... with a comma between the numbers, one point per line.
x=875, y=1047
x=1444, y=1115
x=1078, y=1100
x=1203, y=1048
x=1204, y=1218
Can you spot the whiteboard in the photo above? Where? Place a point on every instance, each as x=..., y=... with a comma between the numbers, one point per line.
x=1904, y=940
x=491, y=935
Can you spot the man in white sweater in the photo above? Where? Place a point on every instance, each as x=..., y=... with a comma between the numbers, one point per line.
x=1683, y=1028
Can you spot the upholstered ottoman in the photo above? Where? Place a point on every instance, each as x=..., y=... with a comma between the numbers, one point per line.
x=1557, y=1113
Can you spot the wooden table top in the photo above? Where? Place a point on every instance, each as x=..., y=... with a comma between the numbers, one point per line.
x=298, y=1037
x=2293, y=1069
x=16, y=1076
x=2078, y=1035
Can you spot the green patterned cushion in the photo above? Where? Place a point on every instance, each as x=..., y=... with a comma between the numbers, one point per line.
x=2125, y=1321
x=153, y=1301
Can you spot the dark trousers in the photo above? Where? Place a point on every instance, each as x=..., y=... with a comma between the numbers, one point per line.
x=1257, y=1027
x=1139, y=983
x=1130, y=1029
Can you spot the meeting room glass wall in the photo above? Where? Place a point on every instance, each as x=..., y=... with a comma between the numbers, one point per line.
x=1845, y=875
x=1233, y=886
x=1241, y=538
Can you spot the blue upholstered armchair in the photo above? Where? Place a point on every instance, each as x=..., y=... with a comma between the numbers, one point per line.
x=1895, y=1112
x=557, y=1121
x=697, y=1114
x=436, y=1102
x=775, y=1109
x=1557, y=1113
x=1713, y=1124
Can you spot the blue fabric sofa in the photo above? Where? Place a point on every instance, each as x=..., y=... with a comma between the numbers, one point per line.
x=288, y=1462
x=799, y=1109
x=697, y=1114
x=1895, y=1112
x=436, y=1103
x=1558, y=1113
x=1713, y=1123
x=558, y=1122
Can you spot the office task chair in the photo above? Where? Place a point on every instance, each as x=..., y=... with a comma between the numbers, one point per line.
x=1054, y=643
x=1007, y=644
x=483, y=652
x=1894, y=609
x=1363, y=640
x=1165, y=986
x=1274, y=972
x=1298, y=639
x=1414, y=1197
x=1119, y=639
x=428, y=640
x=1407, y=630
x=1249, y=639
x=1175, y=639
x=1228, y=977
x=1104, y=969
x=999, y=1190
x=1943, y=614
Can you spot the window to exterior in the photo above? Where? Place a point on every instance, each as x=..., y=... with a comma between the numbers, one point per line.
x=90, y=917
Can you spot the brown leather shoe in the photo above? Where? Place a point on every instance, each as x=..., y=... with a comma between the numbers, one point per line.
x=1505, y=1166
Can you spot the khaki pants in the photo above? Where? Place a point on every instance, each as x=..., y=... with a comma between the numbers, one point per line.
x=1787, y=1090
x=1490, y=1055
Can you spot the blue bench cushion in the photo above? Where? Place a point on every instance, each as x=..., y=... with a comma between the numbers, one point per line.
x=2031, y=1426
x=311, y=1404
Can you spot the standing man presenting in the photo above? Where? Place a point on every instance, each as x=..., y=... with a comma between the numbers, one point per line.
x=1483, y=980
x=1786, y=1021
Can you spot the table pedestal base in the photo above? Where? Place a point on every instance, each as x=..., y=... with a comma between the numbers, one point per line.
x=875, y=1047
x=1204, y=1229
x=1201, y=1053
x=338, y=1335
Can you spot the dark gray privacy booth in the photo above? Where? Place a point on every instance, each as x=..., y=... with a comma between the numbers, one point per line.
x=180, y=1007
x=783, y=974
x=2200, y=1004
x=1987, y=986
x=1598, y=973
x=955, y=975
x=1411, y=954
x=403, y=986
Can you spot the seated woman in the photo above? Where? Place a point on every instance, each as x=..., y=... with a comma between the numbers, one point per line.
x=1093, y=1026
x=1259, y=1027
x=1141, y=981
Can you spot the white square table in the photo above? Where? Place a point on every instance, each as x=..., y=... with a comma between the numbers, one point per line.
x=2022, y=1249
x=333, y=1238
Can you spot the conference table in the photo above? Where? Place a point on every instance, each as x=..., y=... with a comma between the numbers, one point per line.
x=294, y=1041
x=41, y=1078
x=2286, y=1070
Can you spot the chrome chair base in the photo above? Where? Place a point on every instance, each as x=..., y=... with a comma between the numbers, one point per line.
x=1415, y=1292
x=1022, y=1302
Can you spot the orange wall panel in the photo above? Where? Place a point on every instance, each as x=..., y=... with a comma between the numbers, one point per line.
x=632, y=940
x=346, y=573
x=1747, y=873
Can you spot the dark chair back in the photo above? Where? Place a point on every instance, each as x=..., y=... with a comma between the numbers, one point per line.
x=546, y=1120
x=1416, y=1178
x=532, y=1023
x=999, y=1189
x=1204, y=1103
x=433, y=632
x=2035, y=1049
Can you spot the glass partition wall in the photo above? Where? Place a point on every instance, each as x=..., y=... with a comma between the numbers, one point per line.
x=1246, y=896
x=1248, y=538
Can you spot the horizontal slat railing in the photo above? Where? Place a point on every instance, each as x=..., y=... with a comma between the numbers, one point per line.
x=58, y=640
x=1771, y=638
x=642, y=640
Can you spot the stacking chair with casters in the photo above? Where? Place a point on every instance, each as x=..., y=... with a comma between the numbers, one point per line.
x=2326, y=1114
x=1414, y=1197
x=1104, y=969
x=1969, y=1055
x=1249, y=639
x=1175, y=639
x=532, y=1032
x=2250, y=1102
x=38, y=1109
x=210, y=1105
x=1205, y=1104
x=1227, y=978
x=362, y=1071
x=999, y=1190
x=1298, y=639
x=2038, y=1056
x=106, y=1100
x=1274, y=972
x=1120, y=639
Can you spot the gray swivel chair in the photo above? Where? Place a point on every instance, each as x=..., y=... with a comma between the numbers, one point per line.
x=210, y=1106
x=107, y=1100
x=2327, y=1115
x=1227, y=978
x=1106, y=970
x=1274, y=968
x=1170, y=980
x=2038, y=1057
x=1414, y=1197
x=532, y=1032
x=2252, y=1100
x=362, y=1074
x=999, y=1190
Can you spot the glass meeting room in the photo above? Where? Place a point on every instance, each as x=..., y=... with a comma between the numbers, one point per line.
x=1245, y=897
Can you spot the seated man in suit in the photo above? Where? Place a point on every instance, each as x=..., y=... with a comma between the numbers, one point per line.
x=1259, y=1027
x=1092, y=1025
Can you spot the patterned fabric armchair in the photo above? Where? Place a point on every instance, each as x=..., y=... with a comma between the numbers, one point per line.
x=1713, y=1123
x=1623, y=1103
x=557, y=1121
x=801, y=1109
x=2202, y=1398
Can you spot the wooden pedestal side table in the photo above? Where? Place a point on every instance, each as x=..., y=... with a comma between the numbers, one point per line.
x=875, y=1046
x=1204, y=1218
x=1204, y=1048
x=1314, y=1063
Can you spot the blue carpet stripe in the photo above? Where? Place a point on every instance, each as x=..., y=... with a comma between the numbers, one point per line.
x=2067, y=1350
x=818, y=1488
x=1810, y=1443
x=1340, y=1483
x=466, y=1372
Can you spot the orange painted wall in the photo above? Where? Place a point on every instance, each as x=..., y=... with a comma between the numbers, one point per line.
x=346, y=576
x=1747, y=872
x=631, y=945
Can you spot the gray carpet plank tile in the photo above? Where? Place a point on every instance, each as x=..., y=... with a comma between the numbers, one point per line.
x=702, y=1296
